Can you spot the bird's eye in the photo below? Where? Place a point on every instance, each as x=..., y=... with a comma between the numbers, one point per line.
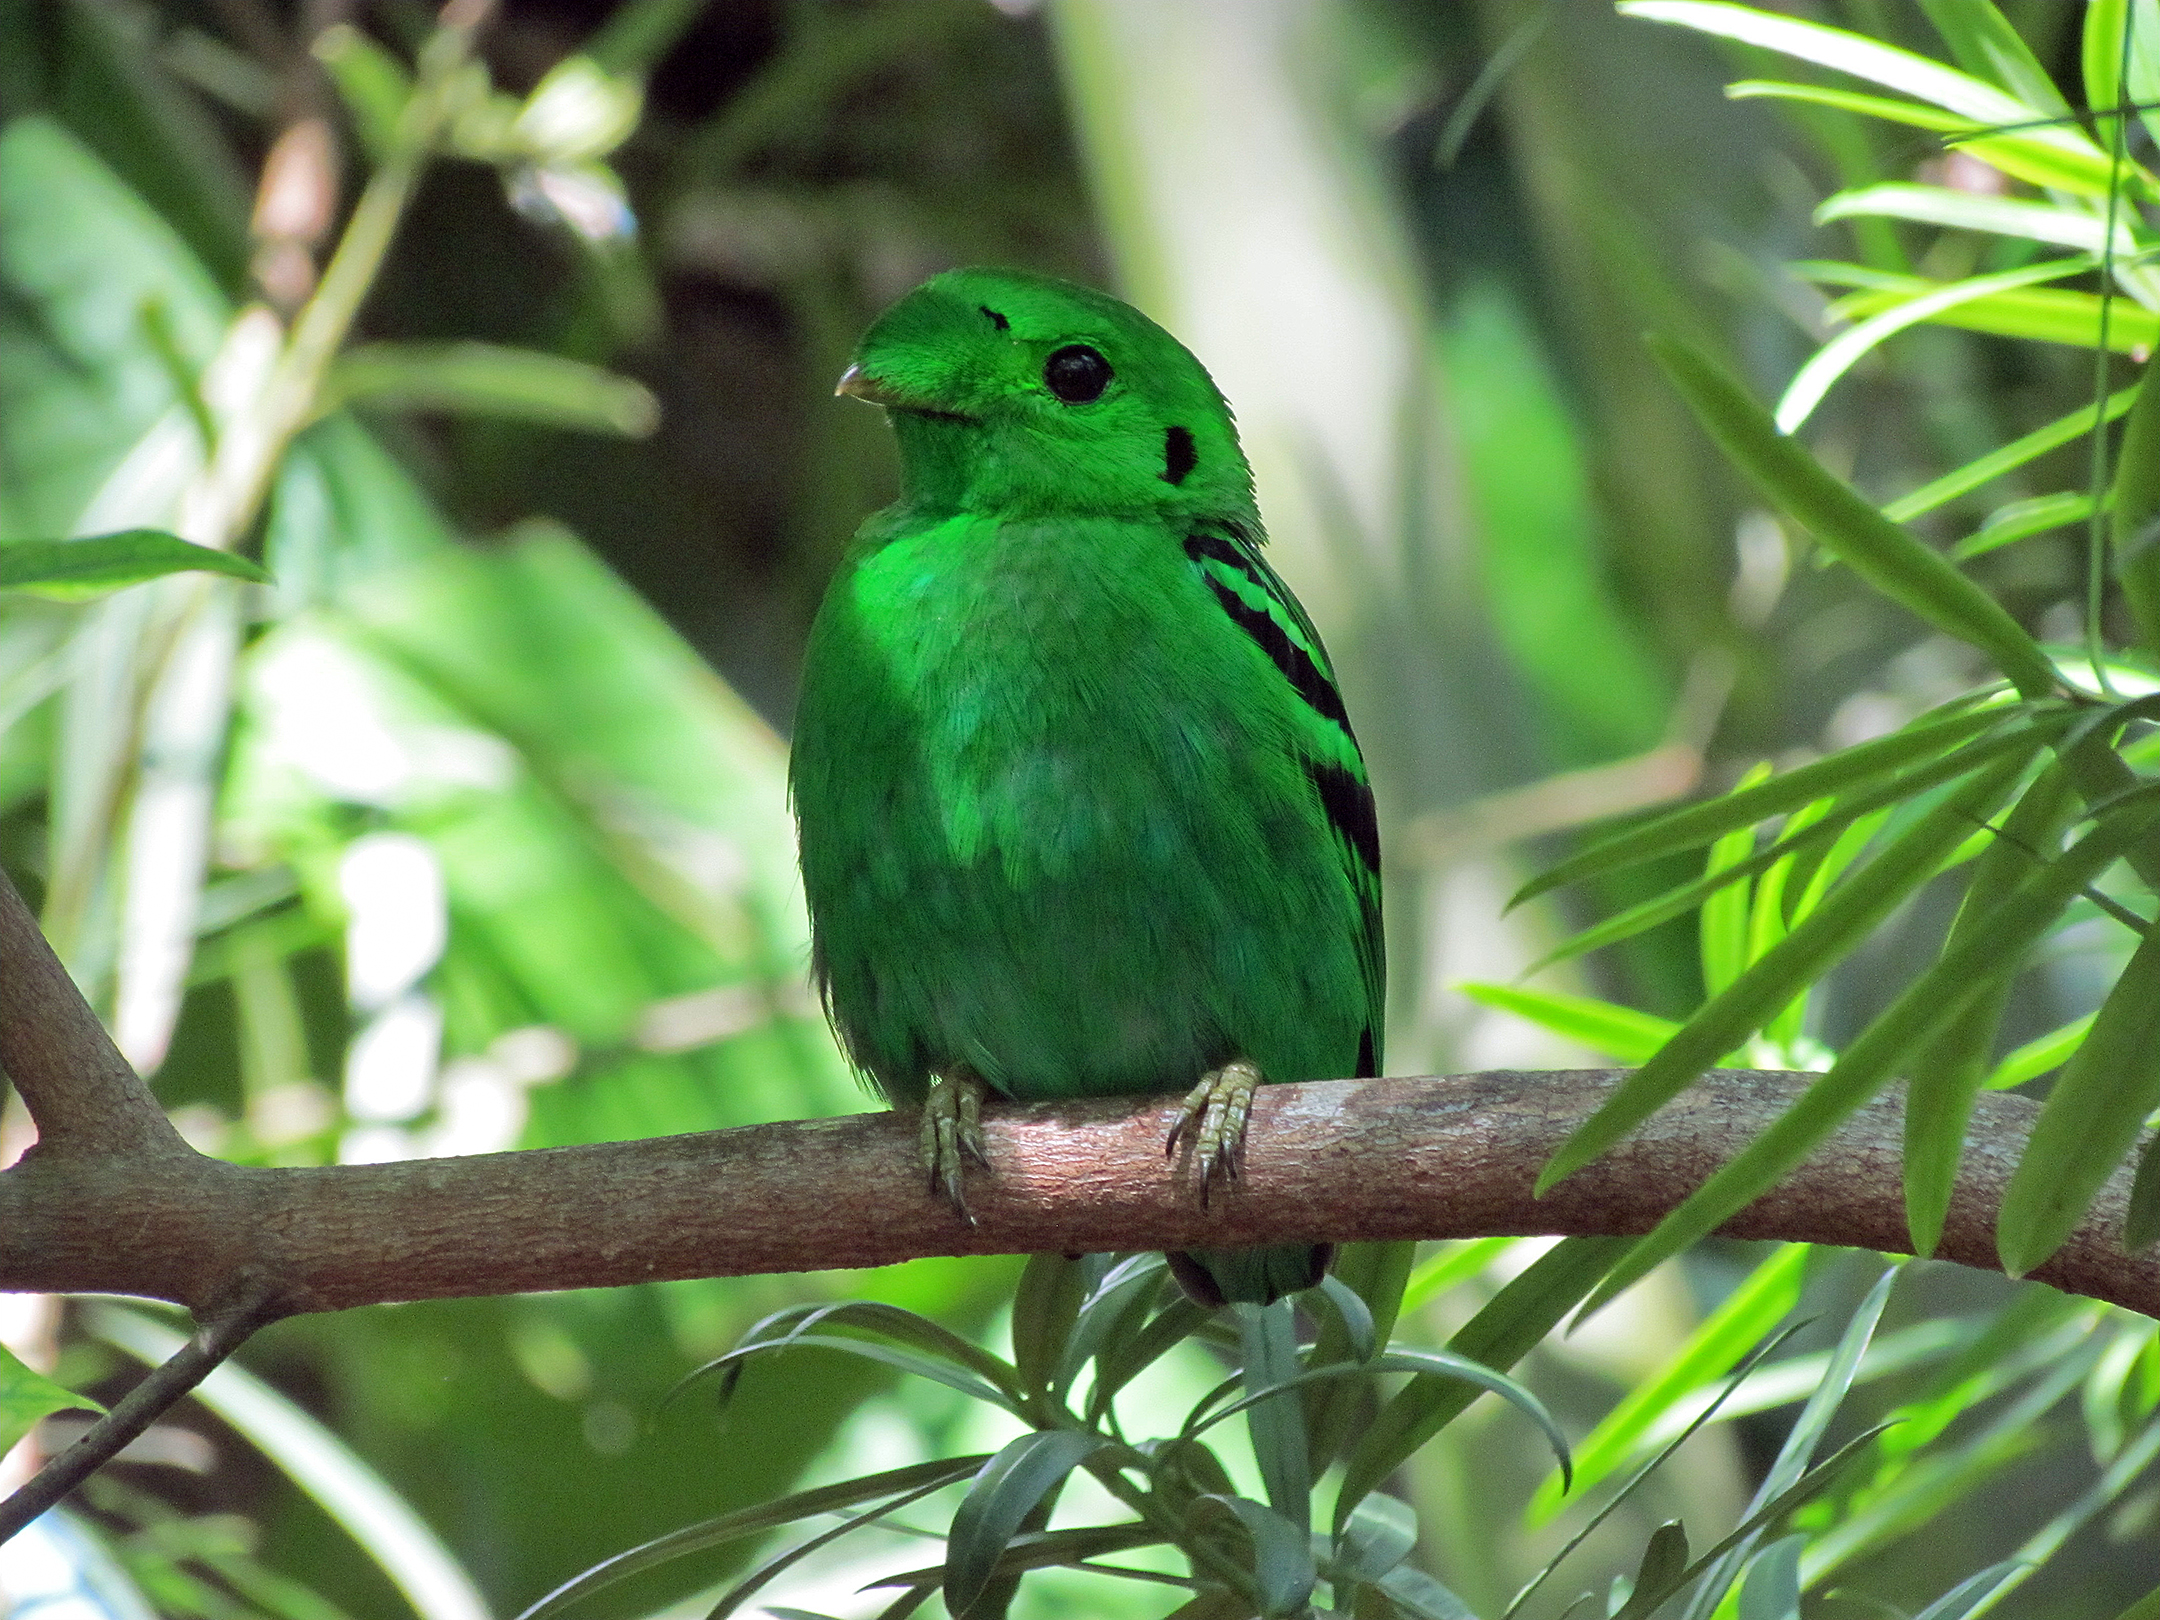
x=1076, y=374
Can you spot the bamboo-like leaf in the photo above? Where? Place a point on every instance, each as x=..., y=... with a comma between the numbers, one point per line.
x=1421, y=1597
x=2091, y=1119
x=1722, y=1340
x=870, y=1316
x=1501, y=1334
x=1354, y=1314
x=1910, y=113
x=1113, y=1315
x=1963, y=1598
x=766, y=1571
x=1455, y=1263
x=2063, y=154
x=2007, y=458
x=27, y=1395
x=371, y=82
x=1378, y=1537
x=1621, y=1033
x=2021, y=520
x=1971, y=211
x=1006, y=1490
x=1990, y=951
x=1120, y=1363
x=934, y=1368
x=1848, y=348
x=1985, y=45
x=1046, y=1306
x=1772, y=1587
x=2077, y=320
x=1949, y=1074
x=2145, y=1608
x=73, y=570
x=1932, y=736
x=2134, y=512
x=1657, y=1576
x=1722, y=924
x=1283, y=1566
x=1875, y=548
x=1849, y=913
x=491, y=379
x=1268, y=1365
x=2036, y=1057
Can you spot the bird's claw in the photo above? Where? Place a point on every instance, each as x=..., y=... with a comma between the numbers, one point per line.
x=1213, y=1119
x=951, y=1134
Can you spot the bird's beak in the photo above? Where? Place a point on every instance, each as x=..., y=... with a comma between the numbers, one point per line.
x=857, y=383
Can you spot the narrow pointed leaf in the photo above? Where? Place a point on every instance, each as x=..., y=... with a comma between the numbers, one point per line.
x=1046, y=1306
x=1657, y=1576
x=1971, y=211
x=1001, y=1497
x=2007, y=458
x=760, y=1520
x=1501, y=1334
x=2091, y=1119
x=1620, y=1033
x=1267, y=1338
x=1890, y=110
x=2141, y=1223
x=1970, y=1593
x=2134, y=512
x=1282, y=1556
x=1930, y=737
x=1378, y=1537
x=1991, y=951
x=1827, y=935
x=1828, y=508
x=2021, y=520
x=2036, y=1057
x=27, y=1395
x=491, y=379
x=72, y=570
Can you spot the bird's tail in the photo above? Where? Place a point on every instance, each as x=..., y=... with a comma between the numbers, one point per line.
x=1249, y=1276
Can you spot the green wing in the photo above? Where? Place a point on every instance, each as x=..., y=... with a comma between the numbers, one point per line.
x=1259, y=603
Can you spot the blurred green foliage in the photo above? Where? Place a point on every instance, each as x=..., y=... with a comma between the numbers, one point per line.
x=451, y=838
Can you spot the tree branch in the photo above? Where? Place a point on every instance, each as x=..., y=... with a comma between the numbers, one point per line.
x=78, y=1088
x=1343, y=1160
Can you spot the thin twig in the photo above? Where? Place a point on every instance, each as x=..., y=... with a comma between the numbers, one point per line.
x=80, y=1090
x=142, y=1406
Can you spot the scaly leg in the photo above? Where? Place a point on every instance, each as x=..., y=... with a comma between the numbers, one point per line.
x=1213, y=1120
x=952, y=1135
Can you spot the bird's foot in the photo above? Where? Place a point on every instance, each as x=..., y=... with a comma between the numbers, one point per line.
x=952, y=1135
x=1213, y=1120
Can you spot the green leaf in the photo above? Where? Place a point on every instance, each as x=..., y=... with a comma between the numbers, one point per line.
x=935, y=1368
x=2045, y=153
x=1844, y=351
x=900, y=1484
x=1658, y=1575
x=1988, y=47
x=2078, y=320
x=1851, y=911
x=1422, y=1597
x=1282, y=1555
x=1854, y=101
x=2134, y=512
x=1722, y=924
x=2145, y=1608
x=26, y=1396
x=372, y=83
x=1971, y=1592
x=2091, y=1119
x=1121, y=1362
x=1988, y=952
x=1501, y=1334
x=2036, y=1057
x=1046, y=1306
x=2021, y=520
x=1003, y=1493
x=1929, y=737
x=1875, y=548
x=1455, y=1263
x=489, y=379
x=1772, y=1589
x=1949, y=1074
x=1268, y=1363
x=1621, y=1033
x=1996, y=463
x=71, y=570
x=1972, y=211
x=1379, y=1536
x=1720, y=1342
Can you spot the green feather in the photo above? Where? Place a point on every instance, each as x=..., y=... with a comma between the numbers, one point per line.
x=1080, y=809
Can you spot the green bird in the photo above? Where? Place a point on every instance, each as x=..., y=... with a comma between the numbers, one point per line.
x=1081, y=813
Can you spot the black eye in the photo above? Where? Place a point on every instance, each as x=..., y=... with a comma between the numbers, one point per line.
x=1076, y=374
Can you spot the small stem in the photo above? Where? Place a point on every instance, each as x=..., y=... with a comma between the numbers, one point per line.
x=78, y=1088
x=142, y=1406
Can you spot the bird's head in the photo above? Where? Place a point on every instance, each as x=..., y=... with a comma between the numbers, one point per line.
x=1018, y=393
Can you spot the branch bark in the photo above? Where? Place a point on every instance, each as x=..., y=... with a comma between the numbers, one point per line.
x=1343, y=1160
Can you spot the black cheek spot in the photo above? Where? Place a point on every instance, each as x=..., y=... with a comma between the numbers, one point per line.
x=996, y=320
x=1179, y=456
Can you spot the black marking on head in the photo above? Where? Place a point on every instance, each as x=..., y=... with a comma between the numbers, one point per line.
x=996, y=320
x=1349, y=806
x=1297, y=666
x=1368, y=1067
x=1179, y=456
